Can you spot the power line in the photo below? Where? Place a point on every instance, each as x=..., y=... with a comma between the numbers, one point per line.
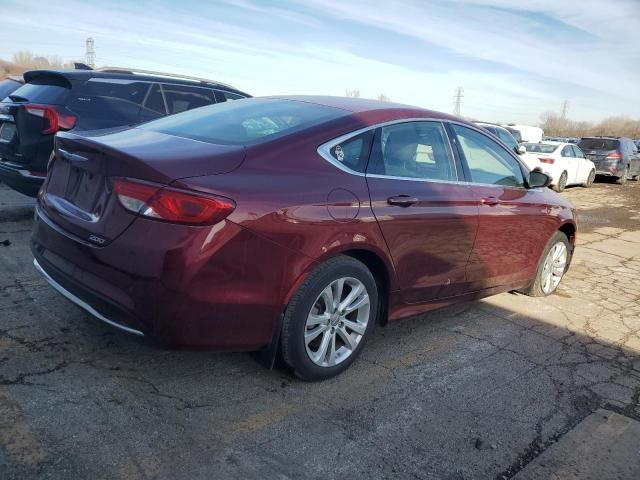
x=457, y=100
x=90, y=53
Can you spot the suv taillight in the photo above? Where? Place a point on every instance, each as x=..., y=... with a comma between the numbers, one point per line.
x=56, y=120
x=614, y=156
x=171, y=205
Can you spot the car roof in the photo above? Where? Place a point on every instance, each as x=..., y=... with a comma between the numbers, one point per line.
x=83, y=75
x=553, y=142
x=372, y=111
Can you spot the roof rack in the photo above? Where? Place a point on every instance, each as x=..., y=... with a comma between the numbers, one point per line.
x=135, y=71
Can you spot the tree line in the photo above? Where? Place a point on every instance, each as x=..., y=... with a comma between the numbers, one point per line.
x=556, y=125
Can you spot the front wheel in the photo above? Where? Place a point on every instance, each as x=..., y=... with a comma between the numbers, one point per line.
x=551, y=268
x=562, y=183
x=329, y=319
x=590, y=179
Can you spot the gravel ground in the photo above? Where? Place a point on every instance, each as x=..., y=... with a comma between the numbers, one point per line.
x=474, y=391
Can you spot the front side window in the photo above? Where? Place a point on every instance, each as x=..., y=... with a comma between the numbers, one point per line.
x=488, y=162
x=412, y=150
x=508, y=139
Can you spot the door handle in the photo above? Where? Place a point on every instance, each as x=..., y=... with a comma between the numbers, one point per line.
x=491, y=201
x=402, y=200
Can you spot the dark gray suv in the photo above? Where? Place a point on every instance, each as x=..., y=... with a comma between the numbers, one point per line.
x=613, y=156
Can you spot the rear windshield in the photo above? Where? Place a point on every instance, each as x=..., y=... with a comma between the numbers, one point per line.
x=599, y=144
x=247, y=121
x=42, y=90
x=540, y=147
x=7, y=86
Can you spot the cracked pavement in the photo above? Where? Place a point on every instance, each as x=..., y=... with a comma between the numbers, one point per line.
x=474, y=391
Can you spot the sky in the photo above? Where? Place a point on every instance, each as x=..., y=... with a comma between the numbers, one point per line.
x=515, y=59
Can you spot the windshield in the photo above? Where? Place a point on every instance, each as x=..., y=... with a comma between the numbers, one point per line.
x=540, y=147
x=7, y=86
x=599, y=144
x=251, y=120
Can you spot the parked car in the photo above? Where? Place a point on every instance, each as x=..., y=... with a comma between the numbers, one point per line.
x=563, y=162
x=53, y=101
x=504, y=135
x=514, y=133
x=10, y=84
x=293, y=222
x=527, y=133
x=613, y=156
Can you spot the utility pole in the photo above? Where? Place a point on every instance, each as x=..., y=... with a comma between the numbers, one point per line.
x=90, y=53
x=457, y=100
x=564, y=108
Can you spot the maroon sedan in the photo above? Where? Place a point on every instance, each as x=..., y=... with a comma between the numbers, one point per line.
x=293, y=224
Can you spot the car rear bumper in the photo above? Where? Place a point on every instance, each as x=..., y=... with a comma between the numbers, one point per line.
x=184, y=287
x=20, y=180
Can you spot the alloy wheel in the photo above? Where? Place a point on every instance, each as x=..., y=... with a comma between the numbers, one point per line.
x=592, y=177
x=554, y=267
x=337, y=322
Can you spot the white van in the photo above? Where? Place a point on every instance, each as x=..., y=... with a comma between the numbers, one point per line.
x=529, y=134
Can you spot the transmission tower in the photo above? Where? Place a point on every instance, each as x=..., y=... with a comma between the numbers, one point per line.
x=457, y=100
x=564, y=108
x=90, y=53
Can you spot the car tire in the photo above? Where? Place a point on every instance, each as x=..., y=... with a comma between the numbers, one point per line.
x=562, y=183
x=623, y=179
x=545, y=272
x=317, y=349
x=590, y=179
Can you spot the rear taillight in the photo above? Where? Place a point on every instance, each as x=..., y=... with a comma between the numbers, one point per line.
x=546, y=160
x=614, y=156
x=171, y=205
x=56, y=120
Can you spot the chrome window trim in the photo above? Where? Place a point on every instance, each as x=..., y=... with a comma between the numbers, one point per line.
x=81, y=303
x=324, y=150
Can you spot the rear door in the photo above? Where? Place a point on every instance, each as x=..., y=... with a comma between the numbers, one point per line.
x=428, y=219
x=570, y=164
x=513, y=227
x=584, y=165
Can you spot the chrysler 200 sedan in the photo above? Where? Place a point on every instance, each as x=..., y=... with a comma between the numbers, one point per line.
x=293, y=225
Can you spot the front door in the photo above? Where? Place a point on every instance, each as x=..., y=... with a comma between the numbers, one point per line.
x=427, y=218
x=512, y=223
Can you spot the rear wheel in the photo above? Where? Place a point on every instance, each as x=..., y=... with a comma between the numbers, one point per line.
x=329, y=319
x=623, y=179
x=590, y=179
x=551, y=268
x=562, y=183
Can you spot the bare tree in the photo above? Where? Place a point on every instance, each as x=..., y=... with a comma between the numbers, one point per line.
x=555, y=125
x=24, y=60
x=353, y=93
x=383, y=98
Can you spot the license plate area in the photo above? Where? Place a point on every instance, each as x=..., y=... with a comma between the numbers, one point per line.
x=84, y=187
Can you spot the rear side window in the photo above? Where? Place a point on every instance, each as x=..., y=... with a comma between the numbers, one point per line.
x=247, y=121
x=599, y=144
x=488, y=162
x=46, y=90
x=417, y=150
x=115, y=101
x=354, y=152
x=577, y=152
x=567, y=151
x=181, y=98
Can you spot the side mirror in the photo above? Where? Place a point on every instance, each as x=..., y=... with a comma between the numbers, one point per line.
x=538, y=179
x=521, y=149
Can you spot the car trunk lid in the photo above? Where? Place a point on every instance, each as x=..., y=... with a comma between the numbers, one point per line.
x=78, y=193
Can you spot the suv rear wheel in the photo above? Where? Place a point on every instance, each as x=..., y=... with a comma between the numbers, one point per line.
x=329, y=319
x=623, y=179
